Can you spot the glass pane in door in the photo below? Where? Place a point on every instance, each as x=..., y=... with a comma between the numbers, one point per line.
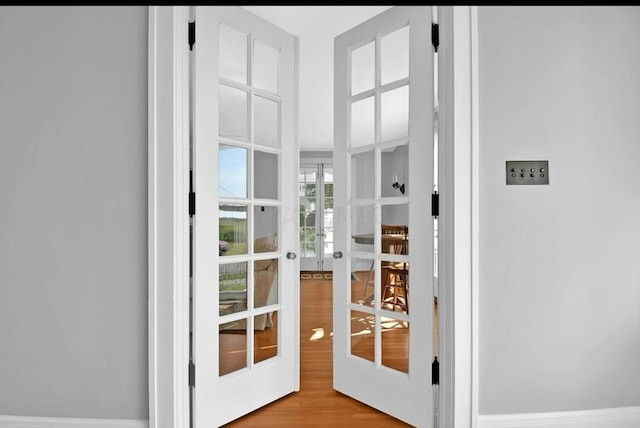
x=266, y=122
x=394, y=53
x=362, y=281
x=232, y=227
x=362, y=175
x=265, y=175
x=233, y=113
x=307, y=197
x=232, y=282
x=265, y=282
x=363, y=68
x=232, y=352
x=363, y=226
x=232, y=171
x=266, y=66
x=363, y=131
x=327, y=212
x=362, y=331
x=265, y=339
x=395, y=229
x=394, y=174
x=233, y=54
x=394, y=121
x=395, y=344
x=265, y=229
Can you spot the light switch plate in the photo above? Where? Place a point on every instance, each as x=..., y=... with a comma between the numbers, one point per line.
x=527, y=172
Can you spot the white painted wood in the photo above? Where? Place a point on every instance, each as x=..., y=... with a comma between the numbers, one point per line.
x=475, y=214
x=406, y=397
x=623, y=417
x=168, y=231
x=448, y=278
x=296, y=209
x=218, y=400
x=41, y=422
x=458, y=220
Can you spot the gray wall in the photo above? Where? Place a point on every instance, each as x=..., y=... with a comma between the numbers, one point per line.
x=73, y=217
x=559, y=264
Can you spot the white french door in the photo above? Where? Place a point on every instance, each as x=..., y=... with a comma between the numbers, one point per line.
x=316, y=216
x=244, y=229
x=383, y=295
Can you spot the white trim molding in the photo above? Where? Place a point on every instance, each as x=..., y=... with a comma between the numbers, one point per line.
x=619, y=417
x=40, y=422
x=459, y=216
x=168, y=216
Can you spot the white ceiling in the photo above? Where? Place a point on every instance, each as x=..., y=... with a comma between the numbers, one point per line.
x=316, y=27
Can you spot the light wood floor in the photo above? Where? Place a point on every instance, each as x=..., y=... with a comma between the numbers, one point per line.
x=316, y=404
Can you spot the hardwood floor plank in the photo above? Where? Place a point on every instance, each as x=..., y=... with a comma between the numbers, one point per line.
x=317, y=404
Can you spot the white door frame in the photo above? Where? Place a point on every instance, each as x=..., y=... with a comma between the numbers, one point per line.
x=168, y=230
x=458, y=220
x=168, y=220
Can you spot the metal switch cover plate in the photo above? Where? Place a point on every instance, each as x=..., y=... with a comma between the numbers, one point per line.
x=527, y=172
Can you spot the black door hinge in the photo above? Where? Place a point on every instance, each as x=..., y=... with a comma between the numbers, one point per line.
x=435, y=372
x=435, y=36
x=192, y=35
x=435, y=204
x=192, y=374
x=192, y=203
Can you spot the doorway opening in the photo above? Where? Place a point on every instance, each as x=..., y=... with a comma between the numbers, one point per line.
x=316, y=214
x=391, y=160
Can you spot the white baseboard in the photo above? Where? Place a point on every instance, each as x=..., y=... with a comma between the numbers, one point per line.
x=39, y=422
x=621, y=417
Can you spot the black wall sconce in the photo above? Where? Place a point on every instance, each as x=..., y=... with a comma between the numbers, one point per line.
x=397, y=185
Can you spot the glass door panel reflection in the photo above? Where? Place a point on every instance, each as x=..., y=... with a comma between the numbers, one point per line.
x=265, y=177
x=233, y=347
x=266, y=122
x=362, y=175
x=265, y=282
x=395, y=343
x=308, y=211
x=233, y=54
x=363, y=228
x=363, y=275
x=394, y=121
x=362, y=330
x=266, y=65
x=394, y=172
x=232, y=171
x=363, y=130
x=363, y=68
x=232, y=226
x=327, y=213
x=265, y=339
x=394, y=53
x=232, y=281
x=234, y=113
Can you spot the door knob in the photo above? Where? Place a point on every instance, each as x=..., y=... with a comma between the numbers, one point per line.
x=291, y=255
x=337, y=255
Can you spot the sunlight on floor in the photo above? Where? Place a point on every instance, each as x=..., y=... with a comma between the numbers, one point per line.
x=318, y=333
